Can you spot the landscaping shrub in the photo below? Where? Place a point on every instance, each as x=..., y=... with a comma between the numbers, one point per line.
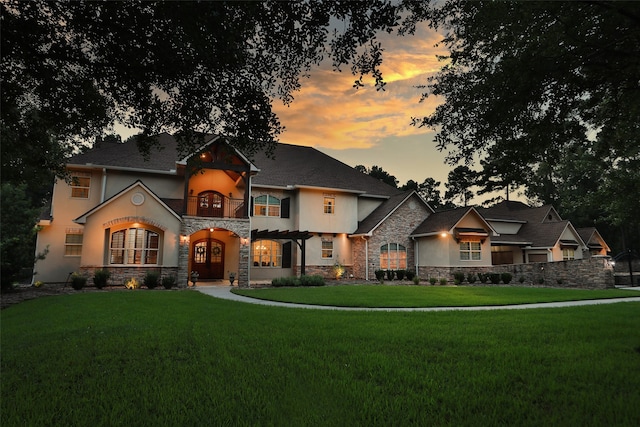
x=78, y=281
x=443, y=282
x=521, y=279
x=471, y=278
x=283, y=281
x=151, y=279
x=100, y=278
x=169, y=282
x=379, y=275
x=495, y=278
x=410, y=274
x=390, y=274
x=400, y=274
x=433, y=280
x=458, y=277
x=416, y=280
x=314, y=280
x=483, y=277
x=506, y=278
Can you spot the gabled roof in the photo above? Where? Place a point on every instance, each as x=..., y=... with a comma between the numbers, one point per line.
x=592, y=238
x=546, y=234
x=295, y=166
x=82, y=219
x=382, y=212
x=518, y=212
x=446, y=222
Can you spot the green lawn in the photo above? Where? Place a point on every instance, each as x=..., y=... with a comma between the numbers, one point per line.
x=183, y=358
x=426, y=296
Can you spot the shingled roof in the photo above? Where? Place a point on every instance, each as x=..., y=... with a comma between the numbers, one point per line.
x=291, y=165
x=517, y=211
x=305, y=166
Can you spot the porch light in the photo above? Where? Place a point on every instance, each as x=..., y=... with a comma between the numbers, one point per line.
x=211, y=230
x=244, y=241
x=443, y=234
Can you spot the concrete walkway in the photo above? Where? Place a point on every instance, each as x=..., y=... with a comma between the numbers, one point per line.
x=224, y=292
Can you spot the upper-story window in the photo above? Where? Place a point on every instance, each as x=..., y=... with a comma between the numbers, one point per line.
x=393, y=256
x=470, y=251
x=134, y=246
x=329, y=204
x=80, y=183
x=266, y=206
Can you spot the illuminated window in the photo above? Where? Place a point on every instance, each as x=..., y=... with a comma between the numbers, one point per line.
x=134, y=246
x=393, y=256
x=80, y=183
x=73, y=243
x=266, y=253
x=568, y=254
x=266, y=206
x=327, y=248
x=329, y=205
x=470, y=251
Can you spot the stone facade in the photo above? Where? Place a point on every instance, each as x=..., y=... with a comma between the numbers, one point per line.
x=587, y=273
x=395, y=229
x=120, y=274
x=241, y=227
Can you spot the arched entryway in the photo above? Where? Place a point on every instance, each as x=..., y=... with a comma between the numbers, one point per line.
x=207, y=258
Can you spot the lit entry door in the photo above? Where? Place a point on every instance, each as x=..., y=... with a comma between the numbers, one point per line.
x=208, y=259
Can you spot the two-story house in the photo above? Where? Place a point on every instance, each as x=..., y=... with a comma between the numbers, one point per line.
x=217, y=213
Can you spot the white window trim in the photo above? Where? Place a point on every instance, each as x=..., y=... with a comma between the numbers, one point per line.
x=73, y=185
x=329, y=208
x=73, y=232
x=470, y=251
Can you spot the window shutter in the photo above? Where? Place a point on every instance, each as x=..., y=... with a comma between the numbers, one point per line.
x=286, y=255
x=284, y=207
x=251, y=207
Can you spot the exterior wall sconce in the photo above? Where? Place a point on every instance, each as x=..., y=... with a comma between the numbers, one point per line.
x=184, y=239
x=443, y=234
x=244, y=241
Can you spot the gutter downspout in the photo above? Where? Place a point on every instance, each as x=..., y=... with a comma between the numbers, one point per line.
x=366, y=258
x=416, y=254
x=103, y=194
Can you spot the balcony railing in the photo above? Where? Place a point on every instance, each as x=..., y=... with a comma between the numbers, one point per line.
x=216, y=207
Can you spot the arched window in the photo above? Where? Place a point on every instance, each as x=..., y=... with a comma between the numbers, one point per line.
x=134, y=246
x=266, y=206
x=266, y=253
x=393, y=256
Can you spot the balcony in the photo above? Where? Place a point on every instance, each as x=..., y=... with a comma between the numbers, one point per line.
x=214, y=205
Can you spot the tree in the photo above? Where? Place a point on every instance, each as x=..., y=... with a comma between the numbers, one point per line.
x=378, y=173
x=428, y=190
x=460, y=181
x=18, y=219
x=526, y=82
x=76, y=68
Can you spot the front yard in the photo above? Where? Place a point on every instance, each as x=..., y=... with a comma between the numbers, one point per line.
x=184, y=358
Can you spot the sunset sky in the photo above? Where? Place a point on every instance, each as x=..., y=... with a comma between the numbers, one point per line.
x=371, y=127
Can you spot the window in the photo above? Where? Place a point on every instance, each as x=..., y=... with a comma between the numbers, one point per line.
x=266, y=253
x=393, y=256
x=266, y=206
x=568, y=253
x=73, y=243
x=329, y=204
x=80, y=183
x=327, y=248
x=470, y=251
x=134, y=246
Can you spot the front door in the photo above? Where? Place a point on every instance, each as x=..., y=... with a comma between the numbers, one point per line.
x=208, y=259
